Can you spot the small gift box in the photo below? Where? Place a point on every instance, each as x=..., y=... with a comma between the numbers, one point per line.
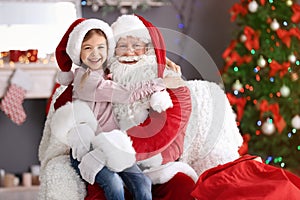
x=15, y=55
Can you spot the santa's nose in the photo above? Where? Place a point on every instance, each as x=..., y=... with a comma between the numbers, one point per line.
x=129, y=51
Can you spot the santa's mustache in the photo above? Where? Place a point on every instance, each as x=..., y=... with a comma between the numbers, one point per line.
x=130, y=58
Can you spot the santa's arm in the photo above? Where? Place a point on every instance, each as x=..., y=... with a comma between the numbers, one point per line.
x=160, y=130
x=174, y=150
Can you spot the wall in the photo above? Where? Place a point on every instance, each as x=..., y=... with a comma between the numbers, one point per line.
x=19, y=144
x=207, y=22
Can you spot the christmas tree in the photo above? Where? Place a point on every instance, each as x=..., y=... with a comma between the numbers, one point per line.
x=261, y=78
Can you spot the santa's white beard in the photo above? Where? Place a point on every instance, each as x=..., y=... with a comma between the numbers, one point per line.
x=133, y=114
x=144, y=69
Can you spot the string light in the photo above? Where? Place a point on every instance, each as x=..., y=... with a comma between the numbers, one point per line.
x=181, y=25
x=269, y=159
x=278, y=159
x=294, y=130
x=257, y=132
x=258, y=123
x=257, y=77
x=285, y=23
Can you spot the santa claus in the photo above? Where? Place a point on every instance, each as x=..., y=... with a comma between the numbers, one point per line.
x=196, y=136
x=157, y=136
x=54, y=155
x=195, y=131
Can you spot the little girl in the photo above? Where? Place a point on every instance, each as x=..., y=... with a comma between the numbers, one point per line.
x=89, y=44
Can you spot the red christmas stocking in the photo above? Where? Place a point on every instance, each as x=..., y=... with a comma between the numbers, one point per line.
x=12, y=101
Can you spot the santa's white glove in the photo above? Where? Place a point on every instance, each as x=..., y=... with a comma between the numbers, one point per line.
x=91, y=164
x=79, y=139
x=117, y=148
x=161, y=101
x=151, y=162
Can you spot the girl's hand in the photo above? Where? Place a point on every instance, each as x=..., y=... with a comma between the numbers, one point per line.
x=173, y=66
x=173, y=82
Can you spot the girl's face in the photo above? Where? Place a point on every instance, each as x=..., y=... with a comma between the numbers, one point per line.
x=94, y=52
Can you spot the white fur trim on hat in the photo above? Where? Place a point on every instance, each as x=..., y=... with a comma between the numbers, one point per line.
x=76, y=37
x=130, y=25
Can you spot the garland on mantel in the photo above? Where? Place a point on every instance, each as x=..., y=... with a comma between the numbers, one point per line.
x=123, y=6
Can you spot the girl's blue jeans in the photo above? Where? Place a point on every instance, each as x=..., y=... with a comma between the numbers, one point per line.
x=137, y=183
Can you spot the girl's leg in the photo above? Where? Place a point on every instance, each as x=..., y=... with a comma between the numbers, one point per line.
x=74, y=164
x=137, y=183
x=111, y=183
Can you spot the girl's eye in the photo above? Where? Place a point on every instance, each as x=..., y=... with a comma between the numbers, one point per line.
x=87, y=48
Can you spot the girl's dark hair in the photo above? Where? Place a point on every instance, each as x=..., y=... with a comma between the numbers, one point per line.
x=89, y=34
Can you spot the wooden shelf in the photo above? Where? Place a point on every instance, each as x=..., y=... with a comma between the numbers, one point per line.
x=43, y=78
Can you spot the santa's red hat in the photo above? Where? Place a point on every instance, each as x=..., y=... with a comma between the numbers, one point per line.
x=68, y=50
x=137, y=26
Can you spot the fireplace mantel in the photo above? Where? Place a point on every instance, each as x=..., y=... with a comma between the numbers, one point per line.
x=42, y=75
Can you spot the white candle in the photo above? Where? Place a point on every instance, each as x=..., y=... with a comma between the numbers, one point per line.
x=27, y=179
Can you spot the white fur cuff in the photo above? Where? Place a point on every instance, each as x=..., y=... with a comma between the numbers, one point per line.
x=164, y=173
x=151, y=162
x=70, y=115
x=161, y=101
x=117, y=148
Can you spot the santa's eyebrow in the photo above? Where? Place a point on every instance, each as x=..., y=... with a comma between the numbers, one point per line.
x=121, y=43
